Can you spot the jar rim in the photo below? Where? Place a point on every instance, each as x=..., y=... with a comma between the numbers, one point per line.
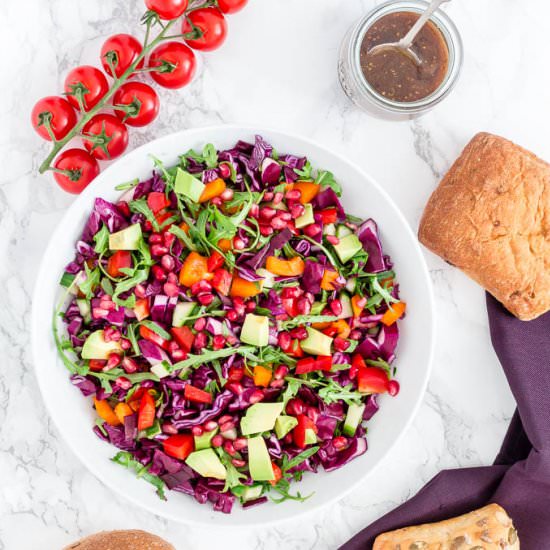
x=453, y=42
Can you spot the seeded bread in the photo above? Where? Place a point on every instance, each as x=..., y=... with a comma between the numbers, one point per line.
x=121, y=540
x=489, y=528
x=490, y=217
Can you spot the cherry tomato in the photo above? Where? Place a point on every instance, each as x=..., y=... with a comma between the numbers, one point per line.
x=79, y=167
x=109, y=137
x=142, y=103
x=60, y=114
x=167, y=9
x=232, y=6
x=176, y=62
x=122, y=50
x=87, y=81
x=212, y=24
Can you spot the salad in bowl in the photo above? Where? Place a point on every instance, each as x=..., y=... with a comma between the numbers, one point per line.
x=231, y=325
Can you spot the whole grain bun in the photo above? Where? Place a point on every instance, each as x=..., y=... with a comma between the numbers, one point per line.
x=489, y=528
x=490, y=217
x=121, y=540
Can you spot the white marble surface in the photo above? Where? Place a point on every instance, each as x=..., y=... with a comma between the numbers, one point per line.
x=277, y=69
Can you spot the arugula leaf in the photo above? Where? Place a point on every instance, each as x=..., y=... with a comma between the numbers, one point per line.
x=298, y=459
x=101, y=239
x=139, y=277
x=70, y=365
x=92, y=280
x=127, y=185
x=107, y=286
x=333, y=392
x=125, y=459
x=233, y=475
x=67, y=279
x=140, y=206
x=325, y=177
x=210, y=355
x=210, y=155
x=305, y=172
x=182, y=235
x=379, y=289
x=291, y=390
x=302, y=319
x=157, y=329
x=131, y=335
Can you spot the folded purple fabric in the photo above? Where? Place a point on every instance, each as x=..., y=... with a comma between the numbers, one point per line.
x=519, y=480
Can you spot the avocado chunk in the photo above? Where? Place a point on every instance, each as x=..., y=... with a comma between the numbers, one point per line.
x=311, y=437
x=260, y=417
x=251, y=492
x=255, y=330
x=316, y=343
x=95, y=347
x=284, y=424
x=188, y=185
x=343, y=231
x=353, y=419
x=268, y=277
x=206, y=463
x=182, y=312
x=306, y=218
x=204, y=441
x=126, y=239
x=85, y=309
x=348, y=247
x=259, y=461
x=347, y=310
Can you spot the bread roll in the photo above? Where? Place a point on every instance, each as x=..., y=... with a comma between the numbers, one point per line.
x=489, y=528
x=490, y=217
x=121, y=540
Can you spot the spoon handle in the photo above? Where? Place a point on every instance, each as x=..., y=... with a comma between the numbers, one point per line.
x=408, y=39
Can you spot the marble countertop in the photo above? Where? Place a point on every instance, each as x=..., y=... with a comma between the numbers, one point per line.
x=277, y=69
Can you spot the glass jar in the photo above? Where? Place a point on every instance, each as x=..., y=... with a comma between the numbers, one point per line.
x=358, y=89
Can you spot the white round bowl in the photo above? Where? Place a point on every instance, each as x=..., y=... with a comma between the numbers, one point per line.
x=73, y=414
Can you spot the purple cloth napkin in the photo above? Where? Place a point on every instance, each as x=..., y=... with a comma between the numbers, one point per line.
x=519, y=480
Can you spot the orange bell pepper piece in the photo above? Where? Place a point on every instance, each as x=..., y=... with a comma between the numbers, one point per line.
x=224, y=245
x=212, y=189
x=194, y=269
x=329, y=277
x=262, y=376
x=243, y=288
x=184, y=227
x=308, y=189
x=105, y=412
x=342, y=328
x=122, y=410
x=394, y=312
x=358, y=304
x=287, y=268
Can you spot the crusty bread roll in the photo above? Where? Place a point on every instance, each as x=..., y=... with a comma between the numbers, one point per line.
x=490, y=217
x=489, y=528
x=121, y=540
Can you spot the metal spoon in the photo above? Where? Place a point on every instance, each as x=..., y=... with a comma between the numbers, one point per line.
x=405, y=43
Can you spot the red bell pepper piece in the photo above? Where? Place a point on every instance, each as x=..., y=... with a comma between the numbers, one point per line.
x=372, y=380
x=330, y=331
x=152, y=336
x=221, y=281
x=146, y=414
x=214, y=261
x=157, y=201
x=141, y=309
x=289, y=305
x=184, y=337
x=309, y=364
x=299, y=432
x=328, y=215
x=194, y=394
x=235, y=374
x=161, y=217
x=179, y=446
x=276, y=472
x=295, y=350
x=120, y=259
x=357, y=362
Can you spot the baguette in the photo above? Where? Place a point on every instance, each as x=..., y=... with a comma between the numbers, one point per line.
x=121, y=540
x=489, y=528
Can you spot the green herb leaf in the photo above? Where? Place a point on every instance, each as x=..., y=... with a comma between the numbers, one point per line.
x=157, y=329
x=127, y=460
x=210, y=156
x=101, y=239
x=303, y=319
x=298, y=459
x=140, y=206
x=67, y=279
x=92, y=280
x=139, y=277
x=327, y=178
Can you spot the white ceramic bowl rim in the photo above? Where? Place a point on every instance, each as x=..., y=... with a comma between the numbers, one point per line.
x=414, y=353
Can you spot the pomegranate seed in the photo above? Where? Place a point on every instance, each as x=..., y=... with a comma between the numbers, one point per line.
x=336, y=306
x=256, y=396
x=98, y=313
x=293, y=195
x=277, y=197
x=288, y=439
x=123, y=208
x=250, y=306
x=205, y=299
x=393, y=387
x=313, y=413
x=235, y=387
x=125, y=344
x=225, y=172
x=278, y=223
x=201, y=286
x=199, y=324
x=107, y=303
x=218, y=342
x=225, y=418
x=240, y=443
x=168, y=238
x=238, y=304
x=107, y=334
x=268, y=195
x=232, y=315
x=217, y=441
x=266, y=213
x=147, y=225
x=158, y=250
x=210, y=425
x=280, y=372
x=139, y=291
x=277, y=383
x=226, y=426
x=197, y=430
x=340, y=344
x=295, y=406
x=286, y=216
x=169, y=428
x=171, y=290
x=172, y=346
x=167, y=262
x=238, y=243
x=284, y=340
x=296, y=210
x=216, y=201
x=238, y=463
x=265, y=230
x=200, y=341
x=227, y=195
x=355, y=335
x=155, y=238
x=129, y=365
x=340, y=442
x=231, y=340
x=123, y=383
x=299, y=332
x=179, y=355
x=303, y=307
x=172, y=278
x=332, y=239
x=229, y=448
x=254, y=210
x=310, y=298
x=113, y=361
x=312, y=229
x=290, y=292
x=158, y=273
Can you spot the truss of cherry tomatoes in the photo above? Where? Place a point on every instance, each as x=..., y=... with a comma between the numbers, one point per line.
x=98, y=106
